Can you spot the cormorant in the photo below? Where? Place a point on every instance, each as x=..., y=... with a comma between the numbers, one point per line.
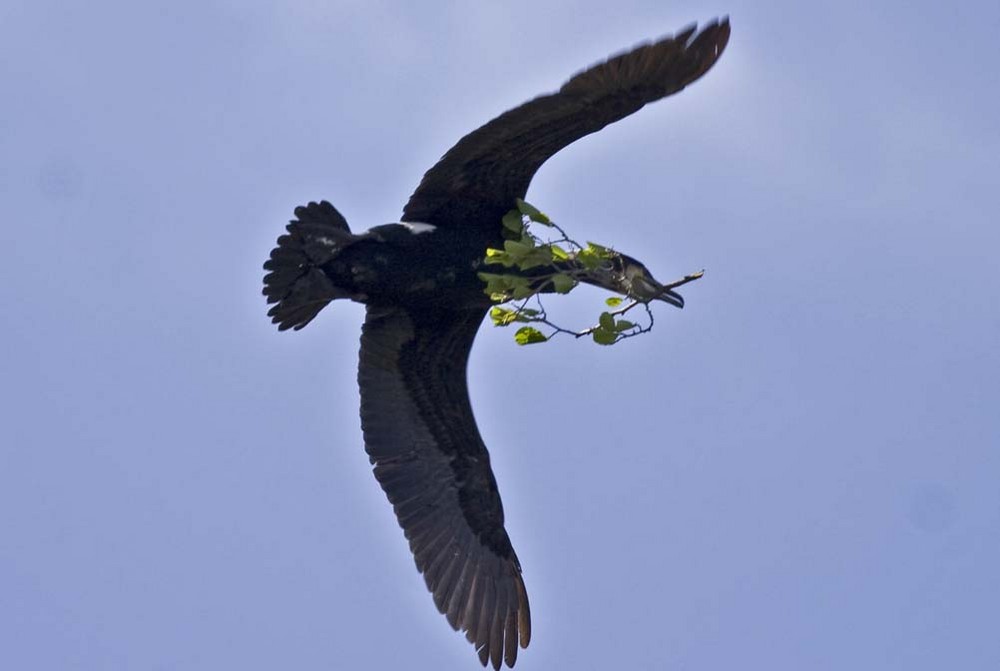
x=424, y=303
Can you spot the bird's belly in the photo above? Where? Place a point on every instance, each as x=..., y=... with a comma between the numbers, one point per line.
x=383, y=282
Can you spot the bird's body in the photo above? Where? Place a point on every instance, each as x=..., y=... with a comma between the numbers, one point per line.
x=406, y=256
x=425, y=301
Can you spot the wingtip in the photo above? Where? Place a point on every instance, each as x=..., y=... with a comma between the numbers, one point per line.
x=523, y=614
x=689, y=34
x=717, y=31
x=723, y=38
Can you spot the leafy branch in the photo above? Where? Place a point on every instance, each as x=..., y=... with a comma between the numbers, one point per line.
x=556, y=265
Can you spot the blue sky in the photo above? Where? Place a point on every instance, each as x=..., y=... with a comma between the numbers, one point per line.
x=797, y=471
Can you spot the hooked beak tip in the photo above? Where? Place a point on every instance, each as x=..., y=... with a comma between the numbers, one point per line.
x=673, y=298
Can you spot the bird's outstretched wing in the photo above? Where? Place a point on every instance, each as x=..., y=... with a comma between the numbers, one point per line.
x=479, y=178
x=428, y=456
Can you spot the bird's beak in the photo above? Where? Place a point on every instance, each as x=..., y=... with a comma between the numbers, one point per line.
x=645, y=288
x=671, y=297
x=665, y=292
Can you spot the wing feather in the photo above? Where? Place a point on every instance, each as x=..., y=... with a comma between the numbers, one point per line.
x=479, y=178
x=485, y=619
x=458, y=592
x=470, y=610
x=430, y=460
x=510, y=636
x=496, y=628
x=459, y=597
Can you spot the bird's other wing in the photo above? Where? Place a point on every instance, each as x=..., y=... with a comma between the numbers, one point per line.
x=479, y=178
x=432, y=464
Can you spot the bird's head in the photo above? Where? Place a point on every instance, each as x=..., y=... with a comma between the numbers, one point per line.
x=625, y=275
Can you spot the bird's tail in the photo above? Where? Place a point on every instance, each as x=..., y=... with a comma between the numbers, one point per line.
x=295, y=282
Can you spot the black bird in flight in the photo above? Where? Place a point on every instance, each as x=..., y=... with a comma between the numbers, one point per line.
x=424, y=303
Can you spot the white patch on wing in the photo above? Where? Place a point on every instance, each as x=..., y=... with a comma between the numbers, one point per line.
x=418, y=227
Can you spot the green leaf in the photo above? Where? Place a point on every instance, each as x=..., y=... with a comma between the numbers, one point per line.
x=558, y=253
x=498, y=256
x=613, y=302
x=492, y=288
x=602, y=337
x=520, y=292
x=623, y=325
x=503, y=316
x=526, y=335
x=512, y=221
x=539, y=256
x=533, y=212
x=494, y=282
x=600, y=250
x=500, y=287
x=594, y=255
x=563, y=283
x=588, y=260
x=516, y=249
x=606, y=321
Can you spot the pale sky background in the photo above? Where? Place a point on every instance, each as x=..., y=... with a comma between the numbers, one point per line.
x=801, y=470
